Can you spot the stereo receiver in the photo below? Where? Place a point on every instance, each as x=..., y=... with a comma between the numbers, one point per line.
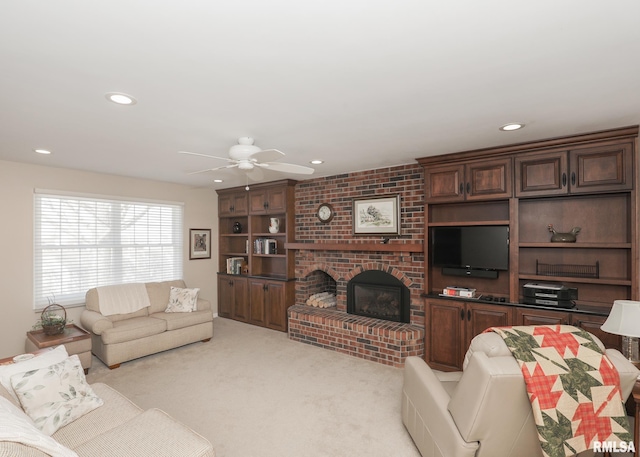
x=550, y=295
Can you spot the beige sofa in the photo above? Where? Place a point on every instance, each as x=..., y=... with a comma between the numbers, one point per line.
x=119, y=428
x=122, y=337
x=482, y=411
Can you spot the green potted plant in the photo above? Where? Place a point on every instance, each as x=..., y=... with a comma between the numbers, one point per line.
x=53, y=319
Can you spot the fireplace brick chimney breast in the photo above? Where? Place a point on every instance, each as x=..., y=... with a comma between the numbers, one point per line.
x=354, y=332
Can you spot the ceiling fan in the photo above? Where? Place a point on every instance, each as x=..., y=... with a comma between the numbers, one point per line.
x=252, y=160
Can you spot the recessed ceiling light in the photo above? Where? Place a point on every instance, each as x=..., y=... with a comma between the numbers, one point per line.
x=120, y=98
x=512, y=126
x=217, y=180
x=42, y=151
x=316, y=162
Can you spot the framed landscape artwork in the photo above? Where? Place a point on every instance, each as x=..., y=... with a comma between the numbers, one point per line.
x=199, y=244
x=376, y=216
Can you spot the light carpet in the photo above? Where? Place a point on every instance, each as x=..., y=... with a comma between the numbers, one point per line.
x=253, y=392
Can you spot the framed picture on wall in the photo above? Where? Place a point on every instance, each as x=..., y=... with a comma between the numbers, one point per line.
x=378, y=216
x=199, y=244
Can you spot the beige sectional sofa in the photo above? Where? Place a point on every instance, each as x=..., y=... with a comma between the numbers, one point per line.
x=118, y=338
x=118, y=428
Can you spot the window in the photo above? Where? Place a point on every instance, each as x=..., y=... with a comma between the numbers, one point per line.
x=82, y=242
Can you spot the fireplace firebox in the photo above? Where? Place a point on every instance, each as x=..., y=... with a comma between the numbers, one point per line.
x=378, y=294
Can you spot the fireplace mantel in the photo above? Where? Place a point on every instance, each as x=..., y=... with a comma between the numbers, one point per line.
x=363, y=247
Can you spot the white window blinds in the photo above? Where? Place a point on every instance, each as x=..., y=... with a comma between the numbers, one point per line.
x=84, y=242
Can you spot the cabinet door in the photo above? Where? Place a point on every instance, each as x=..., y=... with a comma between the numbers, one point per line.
x=444, y=183
x=268, y=201
x=445, y=334
x=531, y=316
x=225, y=296
x=277, y=200
x=601, y=169
x=257, y=301
x=486, y=180
x=481, y=316
x=258, y=201
x=276, y=307
x=592, y=324
x=541, y=174
x=233, y=204
x=240, y=309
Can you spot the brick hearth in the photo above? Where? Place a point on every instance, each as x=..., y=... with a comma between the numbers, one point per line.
x=381, y=341
x=320, y=270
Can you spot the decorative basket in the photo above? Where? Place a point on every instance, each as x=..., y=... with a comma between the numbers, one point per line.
x=52, y=322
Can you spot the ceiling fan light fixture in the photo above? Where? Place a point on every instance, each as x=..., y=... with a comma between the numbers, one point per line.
x=217, y=180
x=245, y=165
x=43, y=151
x=120, y=98
x=512, y=126
x=316, y=162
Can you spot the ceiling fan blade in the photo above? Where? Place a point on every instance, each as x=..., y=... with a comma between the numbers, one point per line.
x=256, y=174
x=289, y=168
x=213, y=169
x=205, y=155
x=267, y=155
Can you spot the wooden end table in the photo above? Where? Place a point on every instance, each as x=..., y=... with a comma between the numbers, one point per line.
x=75, y=340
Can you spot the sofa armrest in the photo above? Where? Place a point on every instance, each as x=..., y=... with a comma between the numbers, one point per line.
x=203, y=305
x=425, y=413
x=96, y=323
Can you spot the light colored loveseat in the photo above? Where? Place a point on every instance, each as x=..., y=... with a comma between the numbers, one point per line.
x=119, y=428
x=122, y=337
x=483, y=411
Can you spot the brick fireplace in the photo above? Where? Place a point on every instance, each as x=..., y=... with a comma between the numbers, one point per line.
x=345, y=257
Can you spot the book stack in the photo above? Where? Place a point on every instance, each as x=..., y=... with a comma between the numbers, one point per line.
x=235, y=265
x=265, y=246
x=453, y=291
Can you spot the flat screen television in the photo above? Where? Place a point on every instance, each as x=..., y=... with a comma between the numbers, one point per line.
x=470, y=250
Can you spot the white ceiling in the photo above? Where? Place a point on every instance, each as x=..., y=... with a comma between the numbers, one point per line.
x=361, y=84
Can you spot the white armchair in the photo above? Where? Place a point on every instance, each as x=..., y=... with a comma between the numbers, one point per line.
x=483, y=411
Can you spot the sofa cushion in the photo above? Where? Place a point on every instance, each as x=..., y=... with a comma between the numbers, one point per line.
x=55, y=395
x=182, y=300
x=159, y=294
x=16, y=427
x=116, y=410
x=153, y=432
x=45, y=359
x=181, y=320
x=133, y=329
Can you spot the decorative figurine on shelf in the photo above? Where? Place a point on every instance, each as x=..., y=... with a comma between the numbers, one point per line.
x=237, y=227
x=567, y=237
x=274, y=225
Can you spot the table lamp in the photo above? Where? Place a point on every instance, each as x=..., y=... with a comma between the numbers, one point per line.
x=624, y=319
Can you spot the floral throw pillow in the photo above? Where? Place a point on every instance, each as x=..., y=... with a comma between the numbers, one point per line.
x=182, y=300
x=56, y=395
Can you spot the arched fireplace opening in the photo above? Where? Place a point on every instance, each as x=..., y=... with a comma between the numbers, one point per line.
x=377, y=294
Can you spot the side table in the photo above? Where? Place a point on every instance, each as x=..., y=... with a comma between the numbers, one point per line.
x=75, y=340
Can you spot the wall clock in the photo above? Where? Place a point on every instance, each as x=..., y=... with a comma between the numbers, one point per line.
x=325, y=212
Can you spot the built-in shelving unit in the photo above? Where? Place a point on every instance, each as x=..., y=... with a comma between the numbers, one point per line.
x=262, y=290
x=588, y=181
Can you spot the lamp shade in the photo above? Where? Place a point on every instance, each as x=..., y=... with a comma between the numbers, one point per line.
x=624, y=319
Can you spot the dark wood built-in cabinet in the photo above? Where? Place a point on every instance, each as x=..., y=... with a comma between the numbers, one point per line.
x=587, y=181
x=472, y=181
x=262, y=291
x=457, y=323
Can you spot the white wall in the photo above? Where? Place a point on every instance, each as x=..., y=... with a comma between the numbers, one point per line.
x=17, y=183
